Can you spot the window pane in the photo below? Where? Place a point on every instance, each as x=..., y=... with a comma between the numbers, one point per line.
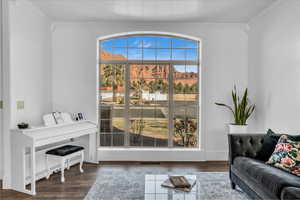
x=112, y=77
x=182, y=43
x=178, y=90
x=105, y=112
x=157, y=72
x=119, y=54
x=179, y=71
x=149, y=41
x=137, y=91
x=118, y=119
x=120, y=42
x=107, y=43
x=163, y=54
x=118, y=139
x=192, y=54
x=135, y=54
x=135, y=41
x=154, y=130
x=149, y=54
x=185, y=132
x=161, y=142
x=105, y=140
x=163, y=42
x=178, y=54
x=192, y=69
x=186, y=126
x=136, y=128
x=106, y=54
x=105, y=126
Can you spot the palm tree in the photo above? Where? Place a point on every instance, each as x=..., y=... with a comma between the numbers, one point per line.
x=186, y=130
x=114, y=76
x=151, y=86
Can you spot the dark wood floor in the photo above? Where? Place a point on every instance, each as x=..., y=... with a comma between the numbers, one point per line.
x=77, y=185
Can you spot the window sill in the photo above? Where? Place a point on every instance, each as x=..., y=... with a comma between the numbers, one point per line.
x=146, y=149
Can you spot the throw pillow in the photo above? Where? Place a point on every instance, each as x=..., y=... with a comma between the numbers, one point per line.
x=269, y=143
x=268, y=146
x=286, y=155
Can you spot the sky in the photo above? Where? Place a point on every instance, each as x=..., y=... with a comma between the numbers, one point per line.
x=154, y=48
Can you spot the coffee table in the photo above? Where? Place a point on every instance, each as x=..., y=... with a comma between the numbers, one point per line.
x=154, y=190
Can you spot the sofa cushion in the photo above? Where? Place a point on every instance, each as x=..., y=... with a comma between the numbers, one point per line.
x=290, y=193
x=268, y=177
x=286, y=155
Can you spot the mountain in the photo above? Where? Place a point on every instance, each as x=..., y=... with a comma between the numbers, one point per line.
x=151, y=72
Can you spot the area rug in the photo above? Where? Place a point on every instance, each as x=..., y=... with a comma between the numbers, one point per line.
x=121, y=184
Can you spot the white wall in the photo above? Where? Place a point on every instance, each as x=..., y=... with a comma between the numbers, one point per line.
x=30, y=34
x=1, y=89
x=274, y=67
x=225, y=53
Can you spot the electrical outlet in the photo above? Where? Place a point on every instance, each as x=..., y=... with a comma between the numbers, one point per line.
x=1, y=104
x=20, y=105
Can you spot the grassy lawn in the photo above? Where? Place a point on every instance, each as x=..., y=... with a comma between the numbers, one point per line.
x=153, y=128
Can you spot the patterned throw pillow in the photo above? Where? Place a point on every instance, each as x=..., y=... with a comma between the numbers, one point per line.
x=286, y=155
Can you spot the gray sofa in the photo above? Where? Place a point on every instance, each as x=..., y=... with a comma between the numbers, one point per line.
x=253, y=176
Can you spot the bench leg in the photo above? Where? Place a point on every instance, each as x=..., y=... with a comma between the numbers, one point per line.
x=62, y=170
x=81, y=162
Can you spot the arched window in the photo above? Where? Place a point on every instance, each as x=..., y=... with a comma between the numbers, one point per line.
x=149, y=91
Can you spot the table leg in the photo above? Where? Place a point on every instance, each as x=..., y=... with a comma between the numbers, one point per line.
x=33, y=189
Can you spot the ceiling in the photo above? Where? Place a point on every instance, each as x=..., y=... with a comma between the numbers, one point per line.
x=153, y=10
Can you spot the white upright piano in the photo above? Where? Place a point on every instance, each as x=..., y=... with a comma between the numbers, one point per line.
x=29, y=147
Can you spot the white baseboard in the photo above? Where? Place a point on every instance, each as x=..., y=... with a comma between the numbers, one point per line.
x=216, y=155
x=124, y=154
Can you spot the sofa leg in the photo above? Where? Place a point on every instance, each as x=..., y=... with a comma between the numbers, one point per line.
x=232, y=185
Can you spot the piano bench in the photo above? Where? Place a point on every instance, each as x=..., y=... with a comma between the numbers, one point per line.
x=65, y=154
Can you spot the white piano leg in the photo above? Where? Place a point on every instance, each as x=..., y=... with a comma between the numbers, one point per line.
x=68, y=164
x=48, y=167
x=81, y=162
x=62, y=179
x=33, y=190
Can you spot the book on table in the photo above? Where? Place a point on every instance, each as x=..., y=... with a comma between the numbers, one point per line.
x=179, y=183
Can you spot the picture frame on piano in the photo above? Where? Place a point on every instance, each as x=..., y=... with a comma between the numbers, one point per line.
x=79, y=116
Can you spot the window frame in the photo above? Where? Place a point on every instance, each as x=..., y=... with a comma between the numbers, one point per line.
x=171, y=64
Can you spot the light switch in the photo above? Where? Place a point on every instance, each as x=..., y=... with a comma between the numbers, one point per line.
x=20, y=105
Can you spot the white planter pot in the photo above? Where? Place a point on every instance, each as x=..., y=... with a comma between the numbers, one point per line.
x=237, y=128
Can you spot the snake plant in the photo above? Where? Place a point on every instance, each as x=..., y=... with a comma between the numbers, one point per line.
x=241, y=108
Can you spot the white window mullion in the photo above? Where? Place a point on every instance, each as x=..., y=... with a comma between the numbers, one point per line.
x=126, y=109
x=171, y=107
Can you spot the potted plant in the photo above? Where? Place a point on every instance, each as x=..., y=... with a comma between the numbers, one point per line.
x=241, y=110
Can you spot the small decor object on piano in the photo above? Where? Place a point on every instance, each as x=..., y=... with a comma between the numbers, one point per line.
x=179, y=183
x=57, y=118
x=23, y=125
x=79, y=116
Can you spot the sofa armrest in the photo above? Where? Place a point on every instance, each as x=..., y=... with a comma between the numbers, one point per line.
x=290, y=193
x=247, y=145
